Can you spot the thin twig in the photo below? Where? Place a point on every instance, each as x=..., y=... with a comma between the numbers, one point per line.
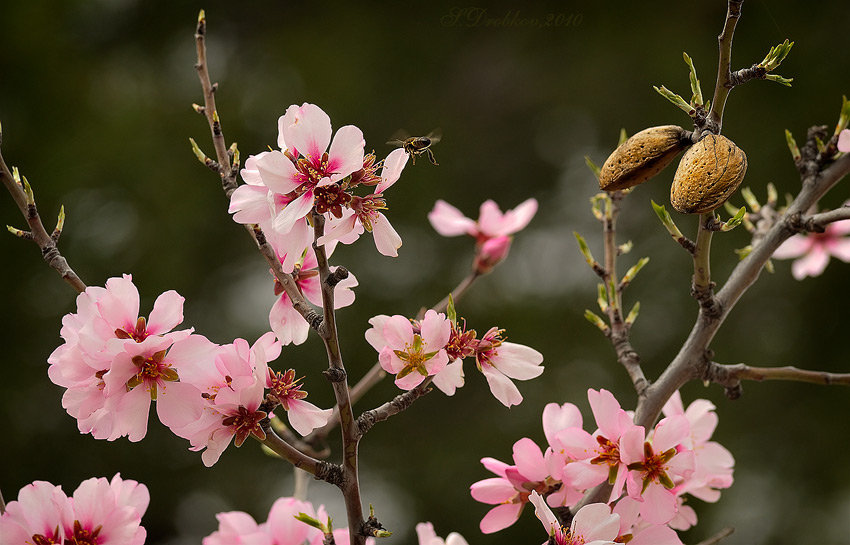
x=290, y=453
x=724, y=73
x=818, y=222
x=458, y=292
x=718, y=537
x=2, y=504
x=702, y=288
x=38, y=234
x=732, y=375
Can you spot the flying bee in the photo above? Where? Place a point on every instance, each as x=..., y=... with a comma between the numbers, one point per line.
x=417, y=145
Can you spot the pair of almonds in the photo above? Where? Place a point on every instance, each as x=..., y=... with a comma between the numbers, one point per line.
x=708, y=174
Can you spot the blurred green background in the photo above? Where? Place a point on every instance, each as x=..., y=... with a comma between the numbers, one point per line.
x=95, y=102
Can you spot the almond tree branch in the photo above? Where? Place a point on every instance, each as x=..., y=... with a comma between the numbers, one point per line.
x=718, y=537
x=724, y=73
x=350, y=485
x=731, y=376
x=227, y=167
x=818, y=222
x=319, y=469
x=2, y=504
x=702, y=288
x=22, y=195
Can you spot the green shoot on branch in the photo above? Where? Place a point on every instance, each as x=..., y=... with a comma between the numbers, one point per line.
x=792, y=145
x=675, y=99
x=697, y=99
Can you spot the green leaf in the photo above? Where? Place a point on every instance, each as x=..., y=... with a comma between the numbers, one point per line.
x=592, y=166
x=678, y=101
x=697, y=99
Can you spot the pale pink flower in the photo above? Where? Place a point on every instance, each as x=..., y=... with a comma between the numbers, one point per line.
x=654, y=466
x=593, y=524
x=102, y=512
x=427, y=536
x=283, y=528
x=37, y=514
x=411, y=355
x=236, y=527
x=592, y=459
x=844, y=141
x=449, y=221
x=502, y=361
x=813, y=250
x=364, y=213
x=288, y=324
x=304, y=417
x=509, y=491
x=714, y=463
x=230, y=395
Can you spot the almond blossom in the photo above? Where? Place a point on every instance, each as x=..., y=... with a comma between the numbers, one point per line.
x=501, y=361
x=107, y=337
x=593, y=524
x=813, y=250
x=100, y=511
x=491, y=231
x=411, y=355
x=509, y=491
x=655, y=464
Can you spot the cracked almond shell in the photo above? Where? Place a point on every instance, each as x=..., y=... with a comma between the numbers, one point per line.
x=642, y=156
x=708, y=174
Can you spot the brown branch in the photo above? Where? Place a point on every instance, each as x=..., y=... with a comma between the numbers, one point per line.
x=350, y=486
x=391, y=408
x=47, y=242
x=292, y=455
x=724, y=73
x=731, y=376
x=817, y=223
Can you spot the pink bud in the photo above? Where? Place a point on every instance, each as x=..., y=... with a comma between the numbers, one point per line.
x=491, y=253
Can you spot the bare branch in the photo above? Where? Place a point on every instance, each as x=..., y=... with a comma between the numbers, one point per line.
x=731, y=376
x=718, y=537
x=724, y=73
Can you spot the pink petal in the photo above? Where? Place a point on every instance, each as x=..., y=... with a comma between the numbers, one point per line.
x=596, y=522
x=795, y=246
x=250, y=204
x=844, y=141
x=375, y=335
x=346, y=153
x=529, y=460
x=449, y=221
x=393, y=165
x=278, y=173
x=120, y=305
x=516, y=219
x=543, y=513
x=670, y=432
x=399, y=332
x=518, y=361
x=656, y=535
x=436, y=330
x=450, y=378
x=502, y=387
x=410, y=381
x=304, y=417
x=307, y=129
x=841, y=249
x=133, y=412
x=493, y=491
x=576, y=443
x=287, y=323
x=659, y=505
x=166, y=314
x=674, y=405
x=343, y=295
x=559, y=417
x=584, y=475
x=387, y=240
x=178, y=404
x=293, y=212
x=339, y=229
x=631, y=445
x=812, y=264
x=606, y=410
x=490, y=219
x=500, y=517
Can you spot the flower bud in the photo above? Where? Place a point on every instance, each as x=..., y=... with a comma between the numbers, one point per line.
x=642, y=156
x=491, y=253
x=708, y=174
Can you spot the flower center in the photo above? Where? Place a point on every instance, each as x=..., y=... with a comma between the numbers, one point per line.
x=331, y=198
x=84, y=537
x=138, y=333
x=609, y=453
x=245, y=423
x=414, y=357
x=653, y=469
x=152, y=370
x=285, y=387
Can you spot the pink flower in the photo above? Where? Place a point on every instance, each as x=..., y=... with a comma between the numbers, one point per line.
x=592, y=459
x=411, y=354
x=640, y=531
x=427, y=536
x=365, y=215
x=102, y=512
x=509, y=491
x=304, y=417
x=593, y=524
x=502, y=361
x=286, y=322
x=230, y=395
x=492, y=230
x=104, y=337
x=654, y=466
x=814, y=249
x=844, y=141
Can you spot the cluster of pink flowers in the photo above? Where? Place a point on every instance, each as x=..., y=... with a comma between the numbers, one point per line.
x=99, y=511
x=655, y=469
x=436, y=346
x=281, y=528
x=310, y=170
x=114, y=364
x=811, y=252
x=492, y=231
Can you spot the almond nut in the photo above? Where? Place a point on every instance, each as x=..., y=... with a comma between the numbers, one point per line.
x=708, y=174
x=642, y=156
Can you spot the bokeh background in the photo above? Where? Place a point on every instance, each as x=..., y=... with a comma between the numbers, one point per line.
x=95, y=102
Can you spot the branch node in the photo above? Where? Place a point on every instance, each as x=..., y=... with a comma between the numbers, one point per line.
x=337, y=276
x=335, y=374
